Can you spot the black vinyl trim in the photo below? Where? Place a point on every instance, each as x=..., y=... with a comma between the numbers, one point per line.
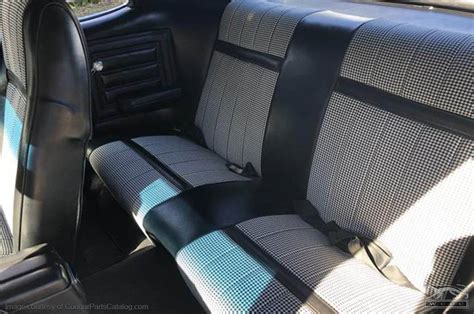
x=304, y=293
x=261, y=59
x=465, y=272
x=406, y=108
x=15, y=81
x=163, y=169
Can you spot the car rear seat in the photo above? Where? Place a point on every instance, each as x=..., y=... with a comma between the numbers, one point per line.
x=232, y=115
x=315, y=55
x=393, y=161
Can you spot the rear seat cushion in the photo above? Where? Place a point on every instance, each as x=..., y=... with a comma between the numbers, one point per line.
x=232, y=115
x=134, y=182
x=194, y=163
x=397, y=176
x=138, y=186
x=230, y=278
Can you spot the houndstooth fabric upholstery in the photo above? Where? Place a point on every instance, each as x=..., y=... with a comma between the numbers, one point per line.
x=236, y=97
x=138, y=187
x=430, y=66
x=230, y=280
x=12, y=36
x=195, y=164
x=11, y=29
x=391, y=178
x=234, y=108
x=6, y=241
x=14, y=115
x=131, y=179
x=261, y=26
x=378, y=174
x=345, y=283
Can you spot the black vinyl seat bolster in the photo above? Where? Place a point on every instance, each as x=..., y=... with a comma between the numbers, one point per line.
x=178, y=221
x=49, y=97
x=315, y=54
x=63, y=93
x=307, y=79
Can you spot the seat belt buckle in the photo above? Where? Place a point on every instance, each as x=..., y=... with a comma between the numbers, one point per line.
x=234, y=168
x=248, y=171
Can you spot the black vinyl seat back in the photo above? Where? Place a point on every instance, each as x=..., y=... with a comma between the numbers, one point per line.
x=46, y=123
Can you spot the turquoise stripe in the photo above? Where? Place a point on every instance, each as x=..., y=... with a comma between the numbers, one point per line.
x=12, y=127
x=236, y=279
x=154, y=194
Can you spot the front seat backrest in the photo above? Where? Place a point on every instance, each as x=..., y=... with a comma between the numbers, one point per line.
x=47, y=122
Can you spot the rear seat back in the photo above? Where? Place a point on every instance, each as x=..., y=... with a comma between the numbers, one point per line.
x=394, y=157
x=244, y=69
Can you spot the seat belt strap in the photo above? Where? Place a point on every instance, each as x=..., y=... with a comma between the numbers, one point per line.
x=310, y=215
x=196, y=134
x=370, y=252
x=191, y=132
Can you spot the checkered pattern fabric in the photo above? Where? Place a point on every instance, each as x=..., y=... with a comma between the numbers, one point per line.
x=393, y=179
x=235, y=101
x=428, y=66
x=387, y=177
x=230, y=280
x=11, y=21
x=14, y=115
x=346, y=284
x=11, y=28
x=234, y=108
x=130, y=178
x=195, y=164
x=260, y=25
x=6, y=241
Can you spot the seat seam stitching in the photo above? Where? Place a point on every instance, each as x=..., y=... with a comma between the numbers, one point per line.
x=281, y=231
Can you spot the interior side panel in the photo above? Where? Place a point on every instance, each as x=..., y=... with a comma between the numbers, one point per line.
x=138, y=73
x=155, y=56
